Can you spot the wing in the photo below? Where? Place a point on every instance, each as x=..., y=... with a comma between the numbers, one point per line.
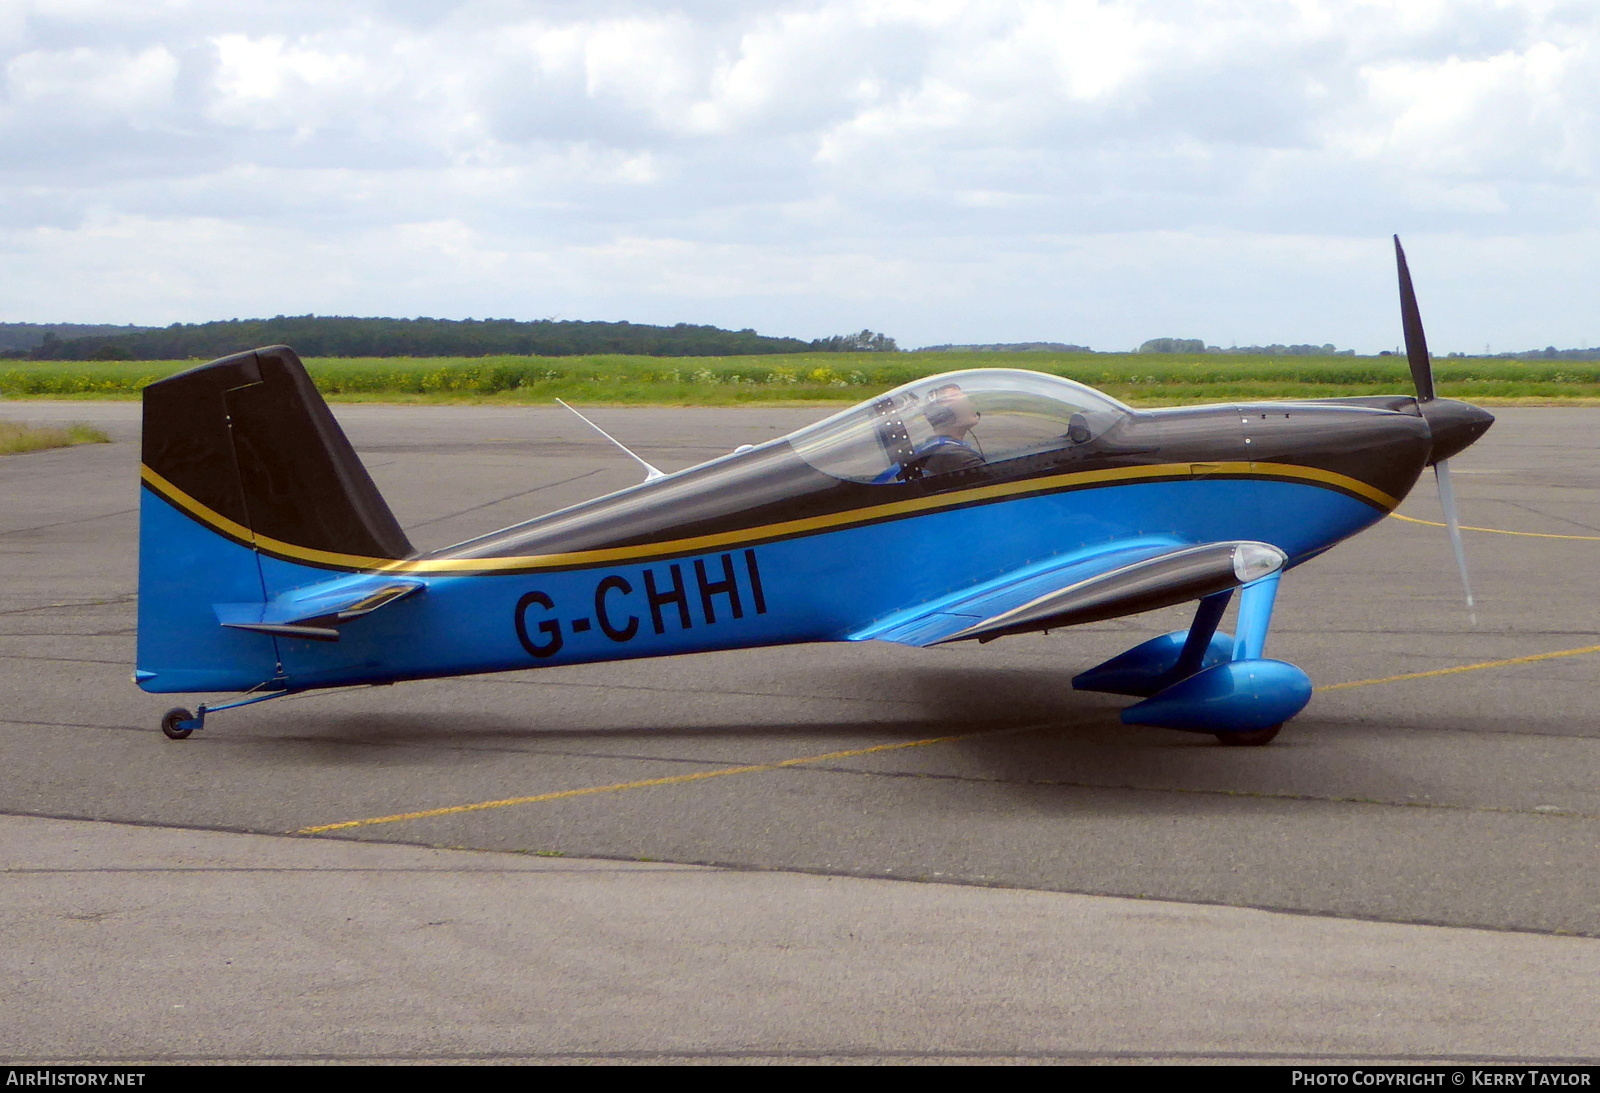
x=1126, y=580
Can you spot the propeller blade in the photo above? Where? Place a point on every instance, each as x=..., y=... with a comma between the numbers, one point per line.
x=1447, y=498
x=1416, y=341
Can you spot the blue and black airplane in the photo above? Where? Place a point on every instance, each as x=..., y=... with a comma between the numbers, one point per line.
x=964, y=507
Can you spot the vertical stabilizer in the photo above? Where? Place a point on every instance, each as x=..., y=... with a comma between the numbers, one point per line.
x=249, y=437
x=242, y=459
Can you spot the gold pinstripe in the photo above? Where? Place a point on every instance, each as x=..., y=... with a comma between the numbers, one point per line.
x=784, y=529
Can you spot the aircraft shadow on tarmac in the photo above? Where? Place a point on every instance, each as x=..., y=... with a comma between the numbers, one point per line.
x=1067, y=738
x=917, y=703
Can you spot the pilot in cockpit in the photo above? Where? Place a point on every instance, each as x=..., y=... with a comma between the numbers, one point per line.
x=951, y=415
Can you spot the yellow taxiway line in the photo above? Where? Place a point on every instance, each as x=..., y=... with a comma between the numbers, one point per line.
x=1463, y=668
x=757, y=768
x=643, y=783
x=1498, y=531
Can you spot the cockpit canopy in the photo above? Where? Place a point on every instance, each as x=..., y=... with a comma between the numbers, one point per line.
x=954, y=421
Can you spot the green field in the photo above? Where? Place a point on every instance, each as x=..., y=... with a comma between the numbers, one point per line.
x=1148, y=379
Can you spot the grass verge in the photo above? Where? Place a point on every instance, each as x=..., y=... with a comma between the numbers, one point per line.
x=16, y=437
x=1139, y=379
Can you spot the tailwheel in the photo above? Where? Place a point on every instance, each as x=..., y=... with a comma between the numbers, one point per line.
x=1252, y=738
x=170, y=721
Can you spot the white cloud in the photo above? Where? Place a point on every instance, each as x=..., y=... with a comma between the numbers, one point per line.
x=1505, y=113
x=949, y=170
x=257, y=70
x=105, y=85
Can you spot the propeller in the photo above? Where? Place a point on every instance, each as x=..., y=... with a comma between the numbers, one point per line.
x=1422, y=377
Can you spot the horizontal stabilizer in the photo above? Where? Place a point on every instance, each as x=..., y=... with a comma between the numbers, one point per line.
x=317, y=612
x=279, y=629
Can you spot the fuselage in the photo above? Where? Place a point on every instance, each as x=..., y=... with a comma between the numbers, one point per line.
x=761, y=547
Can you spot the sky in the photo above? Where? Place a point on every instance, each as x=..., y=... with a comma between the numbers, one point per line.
x=938, y=170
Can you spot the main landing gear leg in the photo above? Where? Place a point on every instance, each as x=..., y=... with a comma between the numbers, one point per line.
x=1255, y=617
x=1256, y=600
x=1244, y=700
x=1201, y=631
x=1163, y=662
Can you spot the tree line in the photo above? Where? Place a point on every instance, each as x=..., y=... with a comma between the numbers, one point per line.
x=1196, y=345
x=28, y=336
x=338, y=336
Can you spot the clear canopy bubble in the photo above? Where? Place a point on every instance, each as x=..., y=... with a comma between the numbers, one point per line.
x=957, y=421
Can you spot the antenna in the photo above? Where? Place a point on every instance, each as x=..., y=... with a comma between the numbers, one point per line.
x=650, y=473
